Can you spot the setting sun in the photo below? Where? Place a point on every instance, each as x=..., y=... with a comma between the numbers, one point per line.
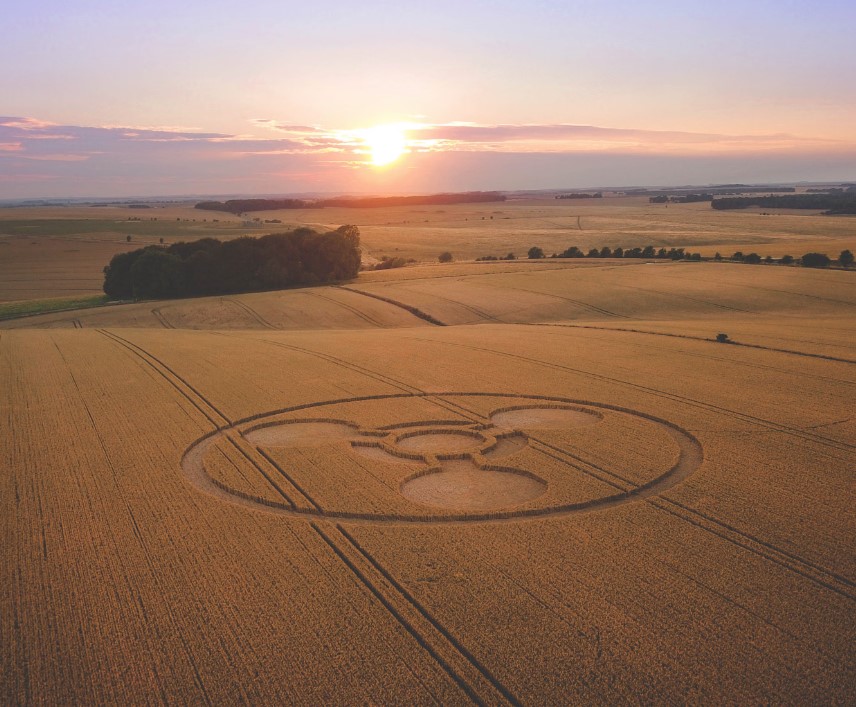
x=387, y=143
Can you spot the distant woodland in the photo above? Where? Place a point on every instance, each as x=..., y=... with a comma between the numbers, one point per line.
x=211, y=267
x=834, y=202
x=240, y=206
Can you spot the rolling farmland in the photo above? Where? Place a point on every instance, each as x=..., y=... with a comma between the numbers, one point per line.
x=493, y=483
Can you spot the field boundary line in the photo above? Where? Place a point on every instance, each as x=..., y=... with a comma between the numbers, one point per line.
x=356, y=368
x=579, y=303
x=159, y=315
x=448, y=635
x=675, y=295
x=362, y=315
x=745, y=417
x=409, y=308
x=789, y=561
x=252, y=312
x=469, y=307
x=194, y=399
x=191, y=659
x=250, y=457
x=695, y=338
x=765, y=289
x=461, y=666
x=810, y=570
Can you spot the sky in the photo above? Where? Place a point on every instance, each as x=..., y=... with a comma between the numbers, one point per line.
x=118, y=98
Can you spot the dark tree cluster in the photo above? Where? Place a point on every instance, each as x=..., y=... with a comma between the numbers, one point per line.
x=809, y=260
x=211, y=267
x=389, y=263
x=680, y=198
x=509, y=256
x=836, y=203
x=241, y=206
x=469, y=197
x=638, y=252
x=595, y=195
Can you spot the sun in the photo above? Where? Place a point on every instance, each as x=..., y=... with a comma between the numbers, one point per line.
x=387, y=143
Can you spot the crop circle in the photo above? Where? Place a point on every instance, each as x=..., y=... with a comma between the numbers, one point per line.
x=512, y=459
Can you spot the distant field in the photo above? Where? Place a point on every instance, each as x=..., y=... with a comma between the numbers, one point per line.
x=61, y=251
x=527, y=482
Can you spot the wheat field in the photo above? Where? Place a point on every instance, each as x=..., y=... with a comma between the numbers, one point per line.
x=60, y=251
x=515, y=482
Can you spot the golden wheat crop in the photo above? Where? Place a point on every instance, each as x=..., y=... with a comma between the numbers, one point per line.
x=230, y=500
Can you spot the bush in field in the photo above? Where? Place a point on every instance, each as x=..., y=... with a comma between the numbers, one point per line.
x=535, y=253
x=846, y=258
x=387, y=263
x=787, y=260
x=752, y=259
x=209, y=266
x=445, y=257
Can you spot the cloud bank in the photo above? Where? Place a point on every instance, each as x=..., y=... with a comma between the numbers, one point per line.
x=40, y=158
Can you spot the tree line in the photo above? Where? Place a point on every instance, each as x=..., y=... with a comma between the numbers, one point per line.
x=811, y=260
x=211, y=267
x=241, y=206
x=681, y=199
x=843, y=202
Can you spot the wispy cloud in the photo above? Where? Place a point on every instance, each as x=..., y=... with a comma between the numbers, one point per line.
x=588, y=138
x=109, y=156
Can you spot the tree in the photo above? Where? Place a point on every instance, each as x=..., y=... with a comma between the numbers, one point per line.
x=157, y=273
x=752, y=259
x=717, y=257
x=815, y=260
x=593, y=253
x=846, y=258
x=535, y=253
x=647, y=252
x=618, y=252
x=787, y=260
x=738, y=256
x=445, y=257
x=606, y=252
x=117, y=275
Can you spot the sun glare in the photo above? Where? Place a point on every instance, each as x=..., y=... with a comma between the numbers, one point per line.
x=387, y=143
